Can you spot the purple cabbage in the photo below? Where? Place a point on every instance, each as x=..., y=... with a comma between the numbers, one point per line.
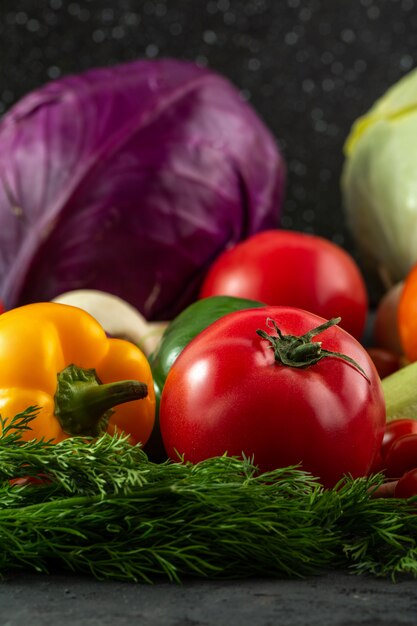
x=131, y=179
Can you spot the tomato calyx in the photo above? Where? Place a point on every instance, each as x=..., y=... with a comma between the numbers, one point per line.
x=300, y=350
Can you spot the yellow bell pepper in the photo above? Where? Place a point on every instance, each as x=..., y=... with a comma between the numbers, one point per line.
x=58, y=357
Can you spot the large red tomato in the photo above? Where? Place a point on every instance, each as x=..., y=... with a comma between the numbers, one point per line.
x=281, y=267
x=229, y=391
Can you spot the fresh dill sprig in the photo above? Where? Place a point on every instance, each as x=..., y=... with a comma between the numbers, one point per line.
x=378, y=535
x=74, y=466
x=104, y=509
x=177, y=526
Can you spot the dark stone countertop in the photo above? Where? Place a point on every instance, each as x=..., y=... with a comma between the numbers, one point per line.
x=335, y=598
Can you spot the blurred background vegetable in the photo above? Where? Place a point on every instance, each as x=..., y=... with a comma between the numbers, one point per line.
x=386, y=333
x=131, y=179
x=117, y=317
x=385, y=361
x=407, y=315
x=379, y=182
x=400, y=392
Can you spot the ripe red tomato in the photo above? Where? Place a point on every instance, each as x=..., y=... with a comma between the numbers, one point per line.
x=227, y=392
x=281, y=267
x=407, y=485
x=401, y=456
x=396, y=429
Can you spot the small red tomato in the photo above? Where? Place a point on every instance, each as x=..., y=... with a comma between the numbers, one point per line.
x=291, y=268
x=407, y=485
x=396, y=429
x=401, y=456
x=267, y=383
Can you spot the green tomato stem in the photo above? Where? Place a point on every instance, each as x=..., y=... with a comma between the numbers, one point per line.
x=299, y=350
x=400, y=392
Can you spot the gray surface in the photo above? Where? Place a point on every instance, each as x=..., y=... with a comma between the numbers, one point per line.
x=337, y=599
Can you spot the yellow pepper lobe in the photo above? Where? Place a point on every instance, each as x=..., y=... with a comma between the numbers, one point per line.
x=40, y=340
x=83, y=405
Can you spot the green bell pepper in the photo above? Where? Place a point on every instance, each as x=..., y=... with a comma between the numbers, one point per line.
x=187, y=325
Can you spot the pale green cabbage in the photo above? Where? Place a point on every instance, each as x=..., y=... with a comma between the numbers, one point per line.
x=379, y=182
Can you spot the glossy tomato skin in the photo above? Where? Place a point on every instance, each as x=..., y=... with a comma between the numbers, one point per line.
x=290, y=268
x=396, y=429
x=226, y=394
x=401, y=456
x=407, y=485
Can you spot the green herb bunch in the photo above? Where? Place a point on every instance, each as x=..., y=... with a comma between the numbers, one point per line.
x=102, y=508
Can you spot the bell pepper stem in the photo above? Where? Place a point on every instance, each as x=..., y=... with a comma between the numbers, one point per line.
x=83, y=404
x=400, y=393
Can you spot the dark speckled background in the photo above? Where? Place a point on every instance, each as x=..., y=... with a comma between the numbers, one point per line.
x=308, y=67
